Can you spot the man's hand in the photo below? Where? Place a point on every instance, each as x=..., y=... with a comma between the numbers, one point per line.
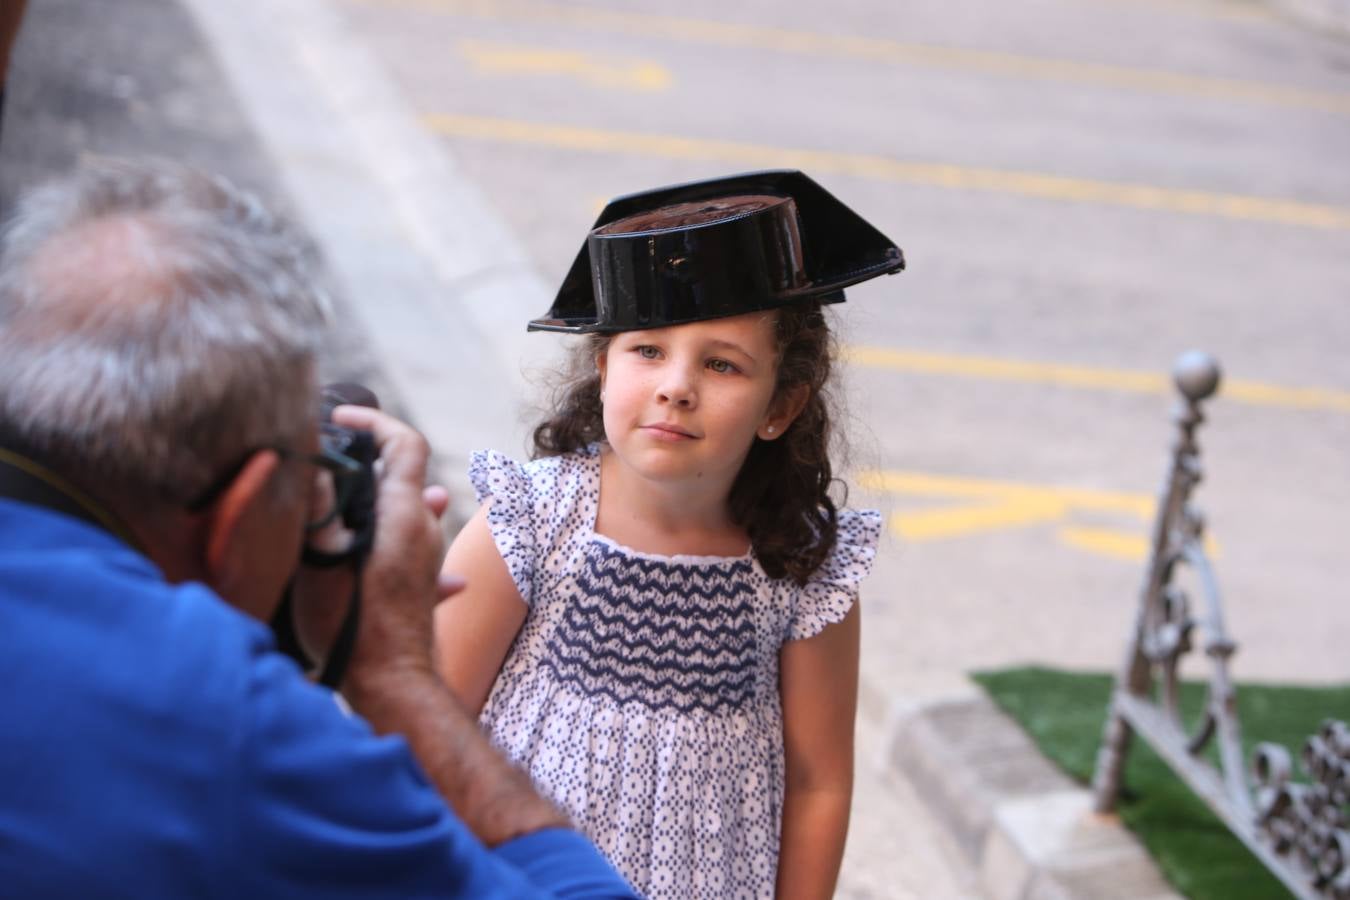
x=399, y=580
x=391, y=681
x=322, y=596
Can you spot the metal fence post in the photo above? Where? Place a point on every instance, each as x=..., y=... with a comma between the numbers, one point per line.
x=1155, y=632
x=1300, y=832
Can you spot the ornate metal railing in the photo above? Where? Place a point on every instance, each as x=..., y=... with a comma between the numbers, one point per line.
x=1299, y=831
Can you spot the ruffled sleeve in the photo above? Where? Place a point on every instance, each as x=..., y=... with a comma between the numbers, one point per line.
x=502, y=480
x=831, y=592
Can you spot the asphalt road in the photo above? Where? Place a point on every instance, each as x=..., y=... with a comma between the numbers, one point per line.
x=1083, y=188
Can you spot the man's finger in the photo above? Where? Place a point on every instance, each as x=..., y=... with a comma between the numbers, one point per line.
x=448, y=585
x=437, y=499
x=403, y=450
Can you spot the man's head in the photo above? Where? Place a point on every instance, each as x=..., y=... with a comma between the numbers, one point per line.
x=158, y=330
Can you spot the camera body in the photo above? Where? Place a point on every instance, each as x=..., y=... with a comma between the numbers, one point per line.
x=355, y=487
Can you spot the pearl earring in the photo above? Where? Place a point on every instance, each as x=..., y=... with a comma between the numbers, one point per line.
x=770, y=429
x=602, y=396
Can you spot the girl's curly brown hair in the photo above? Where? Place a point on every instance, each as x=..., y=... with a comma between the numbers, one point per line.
x=781, y=497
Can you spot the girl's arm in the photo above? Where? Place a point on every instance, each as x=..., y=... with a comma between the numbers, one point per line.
x=475, y=628
x=819, y=687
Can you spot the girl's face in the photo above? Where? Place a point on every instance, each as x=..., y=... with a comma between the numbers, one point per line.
x=687, y=401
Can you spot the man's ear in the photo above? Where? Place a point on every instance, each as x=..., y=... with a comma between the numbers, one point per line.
x=783, y=411
x=229, y=519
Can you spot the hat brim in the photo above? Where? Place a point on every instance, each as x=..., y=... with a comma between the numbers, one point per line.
x=842, y=248
x=592, y=325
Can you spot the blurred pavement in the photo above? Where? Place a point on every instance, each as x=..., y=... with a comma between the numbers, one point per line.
x=143, y=82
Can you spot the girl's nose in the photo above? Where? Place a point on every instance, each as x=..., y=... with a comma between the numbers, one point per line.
x=678, y=388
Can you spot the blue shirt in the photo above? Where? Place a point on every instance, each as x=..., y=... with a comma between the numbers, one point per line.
x=153, y=744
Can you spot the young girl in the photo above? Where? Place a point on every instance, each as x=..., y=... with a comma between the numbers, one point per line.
x=660, y=622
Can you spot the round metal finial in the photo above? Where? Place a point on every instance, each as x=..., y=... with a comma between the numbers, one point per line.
x=1196, y=374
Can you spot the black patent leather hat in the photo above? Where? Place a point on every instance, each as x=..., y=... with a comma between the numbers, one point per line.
x=716, y=248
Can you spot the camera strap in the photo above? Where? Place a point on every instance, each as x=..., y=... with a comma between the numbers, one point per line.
x=26, y=481
x=340, y=653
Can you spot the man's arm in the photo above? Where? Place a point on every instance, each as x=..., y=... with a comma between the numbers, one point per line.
x=494, y=798
x=318, y=807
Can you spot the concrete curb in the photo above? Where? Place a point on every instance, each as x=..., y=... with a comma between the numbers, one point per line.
x=1024, y=827
x=438, y=282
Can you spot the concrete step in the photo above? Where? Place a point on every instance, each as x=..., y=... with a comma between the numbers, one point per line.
x=1025, y=829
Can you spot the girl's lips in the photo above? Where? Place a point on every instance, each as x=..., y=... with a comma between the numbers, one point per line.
x=663, y=432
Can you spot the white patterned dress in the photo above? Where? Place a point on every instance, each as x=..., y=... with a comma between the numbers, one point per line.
x=642, y=691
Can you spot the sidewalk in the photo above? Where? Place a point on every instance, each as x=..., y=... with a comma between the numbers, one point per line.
x=143, y=82
x=438, y=286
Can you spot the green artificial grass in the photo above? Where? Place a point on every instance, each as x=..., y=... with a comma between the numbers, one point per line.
x=1065, y=712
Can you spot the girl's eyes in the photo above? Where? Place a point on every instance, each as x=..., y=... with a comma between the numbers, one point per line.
x=718, y=365
x=722, y=367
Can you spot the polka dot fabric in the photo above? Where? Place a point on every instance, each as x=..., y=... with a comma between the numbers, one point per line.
x=642, y=692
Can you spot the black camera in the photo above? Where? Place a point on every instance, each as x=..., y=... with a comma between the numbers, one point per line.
x=350, y=459
x=351, y=455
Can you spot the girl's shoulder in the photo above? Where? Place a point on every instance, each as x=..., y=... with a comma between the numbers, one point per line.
x=534, y=507
x=857, y=536
x=539, y=489
x=855, y=545
x=832, y=589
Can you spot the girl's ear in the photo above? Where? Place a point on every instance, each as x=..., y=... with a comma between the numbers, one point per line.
x=783, y=411
x=601, y=361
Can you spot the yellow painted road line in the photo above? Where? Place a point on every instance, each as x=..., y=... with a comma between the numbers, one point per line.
x=958, y=521
x=921, y=484
x=624, y=73
x=760, y=37
x=1028, y=184
x=1085, y=377
x=976, y=506
x=1107, y=542
x=981, y=506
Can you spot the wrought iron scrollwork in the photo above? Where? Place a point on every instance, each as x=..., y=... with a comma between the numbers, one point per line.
x=1307, y=823
x=1299, y=831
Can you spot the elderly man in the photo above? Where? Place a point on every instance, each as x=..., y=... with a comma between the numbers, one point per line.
x=157, y=449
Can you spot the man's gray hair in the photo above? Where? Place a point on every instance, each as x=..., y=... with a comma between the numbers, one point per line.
x=156, y=325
